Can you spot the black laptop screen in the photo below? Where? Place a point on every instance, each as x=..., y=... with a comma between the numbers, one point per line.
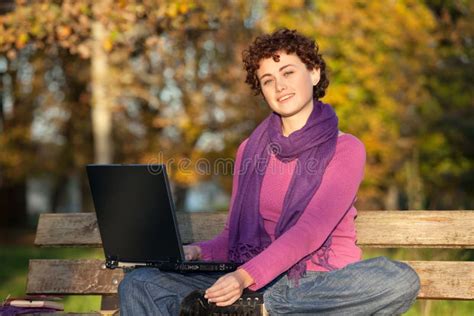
x=135, y=213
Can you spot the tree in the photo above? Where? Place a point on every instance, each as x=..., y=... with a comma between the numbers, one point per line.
x=140, y=42
x=376, y=53
x=446, y=146
x=67, y=27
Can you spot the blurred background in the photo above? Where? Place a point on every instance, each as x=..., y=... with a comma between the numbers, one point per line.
x=158, y=81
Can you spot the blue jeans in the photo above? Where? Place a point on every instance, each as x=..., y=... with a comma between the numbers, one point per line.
x=376, y=286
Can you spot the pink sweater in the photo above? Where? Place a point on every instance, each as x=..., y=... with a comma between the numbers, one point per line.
x=327, y=223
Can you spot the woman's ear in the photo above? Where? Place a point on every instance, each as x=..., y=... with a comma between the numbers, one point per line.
x=315, y=76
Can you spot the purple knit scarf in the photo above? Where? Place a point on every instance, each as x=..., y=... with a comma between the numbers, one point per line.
x=313, y=146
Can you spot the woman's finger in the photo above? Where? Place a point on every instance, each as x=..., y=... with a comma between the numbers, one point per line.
x=221, y=283
x=228, y=302
x=226, y=296
x=224, y=289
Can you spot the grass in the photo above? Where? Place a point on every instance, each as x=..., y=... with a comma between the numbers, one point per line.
x=14, y=268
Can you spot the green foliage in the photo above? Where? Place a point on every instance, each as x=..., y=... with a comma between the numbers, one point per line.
x=400, y=73
x=376, y=52
x=447, y=162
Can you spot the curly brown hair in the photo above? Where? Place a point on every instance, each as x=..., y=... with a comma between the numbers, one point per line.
x=289, y=41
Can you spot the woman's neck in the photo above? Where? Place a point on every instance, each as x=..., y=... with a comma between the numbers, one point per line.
x=290, y=124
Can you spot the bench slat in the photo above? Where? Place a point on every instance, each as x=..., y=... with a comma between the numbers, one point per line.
x=439, y=279
x=384, y=229
x=81, y=230
x=68, y=229
x=416, y=229
x=445, y=279
x=71, y=276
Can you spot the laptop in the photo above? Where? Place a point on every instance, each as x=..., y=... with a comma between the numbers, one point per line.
x=137, y=220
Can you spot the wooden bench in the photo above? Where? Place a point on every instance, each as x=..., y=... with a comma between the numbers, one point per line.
x=450, y=280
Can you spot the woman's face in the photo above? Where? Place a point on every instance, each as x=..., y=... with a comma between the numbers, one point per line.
x=287, y=85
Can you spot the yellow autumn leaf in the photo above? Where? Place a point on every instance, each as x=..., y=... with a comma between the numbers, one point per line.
x=123, y=3
x=63, y=31
x=107, y=45
x=172, y=10
x=183, y=8
x=21, y=40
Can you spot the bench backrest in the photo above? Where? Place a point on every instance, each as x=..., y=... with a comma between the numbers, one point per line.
x=379, y=229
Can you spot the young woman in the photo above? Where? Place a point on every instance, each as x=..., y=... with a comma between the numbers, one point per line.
x=291, y=218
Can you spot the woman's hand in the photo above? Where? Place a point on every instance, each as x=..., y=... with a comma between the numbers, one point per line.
x=192, y=252
x=229, y=287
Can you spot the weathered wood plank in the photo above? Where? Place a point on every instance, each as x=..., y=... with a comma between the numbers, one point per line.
x=445, y=279
x=410, y=229
x=81, y=276
x=68, y=229
x=416, y=229
x=439, y=279
x=80, y=229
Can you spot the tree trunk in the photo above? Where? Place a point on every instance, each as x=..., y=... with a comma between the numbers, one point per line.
x=414, y=183
x=180, y=197
x=86, y=200
x=2, y=116
x=59, y=190
x=101, y=97
x=13, y=208
x=392, y=198
x=13, y=205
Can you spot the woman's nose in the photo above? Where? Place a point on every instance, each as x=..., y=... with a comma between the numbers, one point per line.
x=280, y=85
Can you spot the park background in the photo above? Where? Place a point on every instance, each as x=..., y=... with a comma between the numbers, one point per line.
x=149, y=81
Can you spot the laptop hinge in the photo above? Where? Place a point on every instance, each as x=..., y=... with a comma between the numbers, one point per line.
x=111, y=262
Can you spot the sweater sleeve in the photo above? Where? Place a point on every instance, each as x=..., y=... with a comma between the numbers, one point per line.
x=327, y=207
x=216, y=249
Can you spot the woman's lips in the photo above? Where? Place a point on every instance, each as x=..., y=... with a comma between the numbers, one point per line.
x=287, y=98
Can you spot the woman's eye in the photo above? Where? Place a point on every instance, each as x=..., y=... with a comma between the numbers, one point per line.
x=288, y=73
x=265, y=82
